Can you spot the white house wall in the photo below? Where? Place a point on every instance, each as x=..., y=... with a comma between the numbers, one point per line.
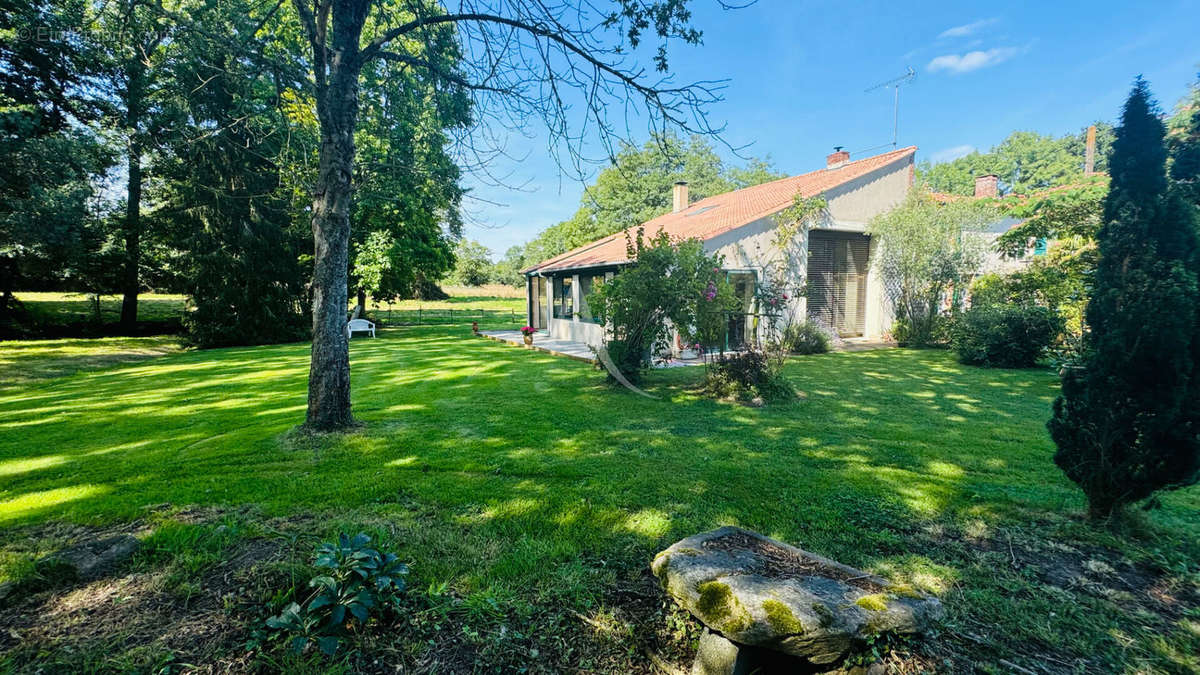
x=850, y=207
x=751, y=247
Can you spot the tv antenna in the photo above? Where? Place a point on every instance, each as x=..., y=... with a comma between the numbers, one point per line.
x=895, y=83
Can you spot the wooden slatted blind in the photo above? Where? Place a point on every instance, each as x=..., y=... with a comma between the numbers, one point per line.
x=837, y=280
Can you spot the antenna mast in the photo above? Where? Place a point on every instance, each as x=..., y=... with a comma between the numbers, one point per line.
x=895, y=83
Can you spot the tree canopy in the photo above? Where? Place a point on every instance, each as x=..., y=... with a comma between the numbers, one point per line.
x=1026, y=161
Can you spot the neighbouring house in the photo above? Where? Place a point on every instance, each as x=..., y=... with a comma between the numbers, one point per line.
x=832, y=259
x=988, y=187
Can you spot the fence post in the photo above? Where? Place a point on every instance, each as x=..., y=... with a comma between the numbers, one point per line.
x=451, y=315
x=418, y=316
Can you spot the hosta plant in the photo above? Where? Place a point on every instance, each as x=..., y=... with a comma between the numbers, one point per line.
x=353, y=581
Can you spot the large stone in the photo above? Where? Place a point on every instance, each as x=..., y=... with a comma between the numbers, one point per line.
x=761, y=592
x=91, y=559
x=719, y=656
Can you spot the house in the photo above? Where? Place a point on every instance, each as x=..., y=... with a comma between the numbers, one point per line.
x=988, y=187
x=832, y=259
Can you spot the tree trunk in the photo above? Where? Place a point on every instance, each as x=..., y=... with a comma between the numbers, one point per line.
x=361, y=309
x=135, y=73
x=337, y=109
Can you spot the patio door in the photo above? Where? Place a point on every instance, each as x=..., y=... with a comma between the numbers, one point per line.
x=837, y=280
x=740, y=332
x=538, y=301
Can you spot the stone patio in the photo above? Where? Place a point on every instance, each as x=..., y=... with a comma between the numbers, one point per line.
x=568, y=348
x=581, y=352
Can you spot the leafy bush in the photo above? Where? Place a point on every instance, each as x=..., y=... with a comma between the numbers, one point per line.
x=672, y=286
x=1005, y=336
x=805, y=338
x=748, y=375
x=934, y=331
x=352, y=580
x=926, y=248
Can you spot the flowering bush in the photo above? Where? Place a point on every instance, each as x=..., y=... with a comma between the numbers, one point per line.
x=673, y=286
x=527, y=331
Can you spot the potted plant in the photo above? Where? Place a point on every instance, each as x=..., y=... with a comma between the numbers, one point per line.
x=527, y=331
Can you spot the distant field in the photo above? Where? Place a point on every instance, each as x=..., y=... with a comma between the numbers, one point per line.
x=493, y=304
x=73, y=314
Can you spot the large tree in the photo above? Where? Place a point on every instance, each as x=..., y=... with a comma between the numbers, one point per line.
x=1126, y=422
x=223, y=180
x=523, y=59
x=49, y=224
x=407, y=196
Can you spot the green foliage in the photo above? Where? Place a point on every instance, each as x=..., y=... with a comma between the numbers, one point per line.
x=508, y=269
x=1043, y=284
x=903, y=454
x=353, y=580
x=225, y=197
x=1126, y=421
x=748, y=375
x=638, y=187
x=805, y=337
x=669, y=285
x=407, y=184
x=1025, y=162
x=926, y=251
x=473, y=264
x=1004, y=336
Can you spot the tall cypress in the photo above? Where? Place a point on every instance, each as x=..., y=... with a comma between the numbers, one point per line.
x=1125, y=424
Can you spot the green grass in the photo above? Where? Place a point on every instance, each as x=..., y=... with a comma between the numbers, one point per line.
x=76, y=308
x=521, y=479
x=26, y=361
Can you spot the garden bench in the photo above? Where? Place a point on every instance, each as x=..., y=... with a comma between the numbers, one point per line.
x=361, y=325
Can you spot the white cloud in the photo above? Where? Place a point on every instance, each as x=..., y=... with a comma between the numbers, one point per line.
x=965, y=29
x=965, y=63
x=951, y=154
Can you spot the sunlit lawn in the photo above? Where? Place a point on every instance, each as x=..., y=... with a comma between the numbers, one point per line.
x=521, y=477
x=75, y=308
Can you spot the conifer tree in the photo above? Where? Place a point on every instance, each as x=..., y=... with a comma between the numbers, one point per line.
x=1125, y=424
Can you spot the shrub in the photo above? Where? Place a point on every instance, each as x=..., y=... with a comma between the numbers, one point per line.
x=352, y=580
x=1005, y=336
x=747, y=375
x=1126, y=422
x=934, y=332
x=672, y=286
x=805, y=338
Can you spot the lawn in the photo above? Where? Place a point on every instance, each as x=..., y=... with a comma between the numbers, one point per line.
x=530, y=491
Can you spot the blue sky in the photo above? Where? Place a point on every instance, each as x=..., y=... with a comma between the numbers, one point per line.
x=797, y=73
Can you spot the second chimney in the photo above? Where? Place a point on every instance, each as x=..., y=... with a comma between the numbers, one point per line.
x=838, y=158
x=681, y=196
x=987, y=186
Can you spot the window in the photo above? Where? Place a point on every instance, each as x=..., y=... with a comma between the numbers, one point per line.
x=587, y=284
x=564, y=302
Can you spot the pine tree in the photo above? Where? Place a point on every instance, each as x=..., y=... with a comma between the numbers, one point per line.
x=1125, y=423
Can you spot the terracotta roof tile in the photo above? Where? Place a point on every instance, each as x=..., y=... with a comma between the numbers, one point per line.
x=716, y=215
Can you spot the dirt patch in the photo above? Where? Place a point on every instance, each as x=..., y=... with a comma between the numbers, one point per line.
x=781, y=563
x=131, y=619
x=1099, y=572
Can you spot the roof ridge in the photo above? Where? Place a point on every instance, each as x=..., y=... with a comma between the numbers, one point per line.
x=755, y=202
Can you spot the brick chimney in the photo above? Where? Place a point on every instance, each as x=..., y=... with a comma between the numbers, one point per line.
x=987, y=186
x=838, y=158
x=680, y=196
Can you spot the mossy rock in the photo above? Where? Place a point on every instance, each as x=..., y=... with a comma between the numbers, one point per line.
x=730, y=579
